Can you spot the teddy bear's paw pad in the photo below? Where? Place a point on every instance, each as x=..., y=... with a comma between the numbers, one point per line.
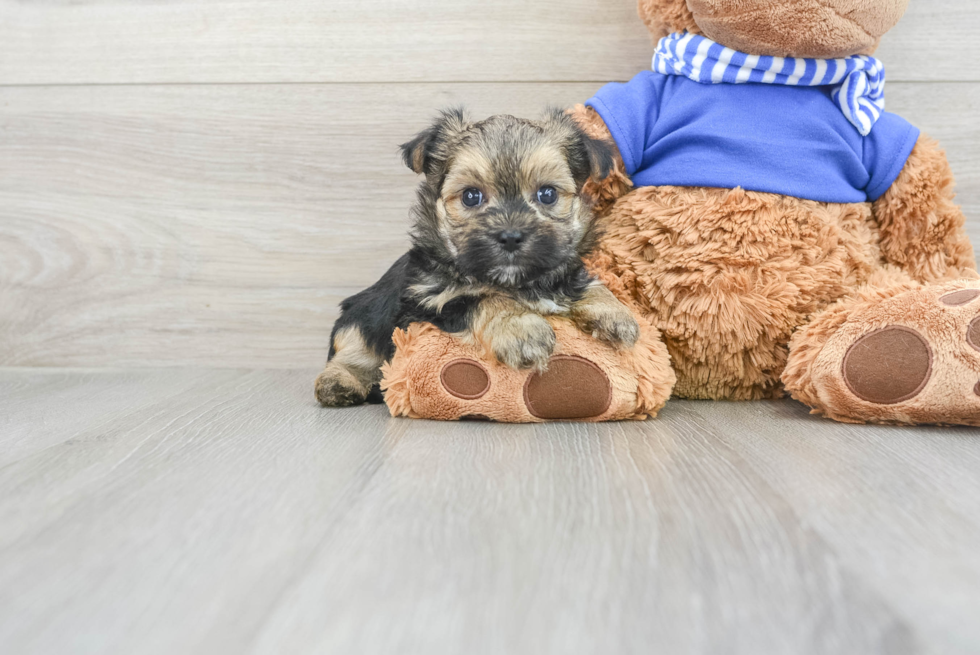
x=973, y=333
x=960, y=297
x=465, y=378
x=571, y=388
x=888, y=366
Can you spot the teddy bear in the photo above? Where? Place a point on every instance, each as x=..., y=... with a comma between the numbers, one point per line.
x=772, y=226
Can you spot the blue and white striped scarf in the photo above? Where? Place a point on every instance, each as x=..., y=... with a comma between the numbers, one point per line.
x=860, y=80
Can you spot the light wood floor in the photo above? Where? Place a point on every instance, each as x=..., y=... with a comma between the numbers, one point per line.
x=222, y=511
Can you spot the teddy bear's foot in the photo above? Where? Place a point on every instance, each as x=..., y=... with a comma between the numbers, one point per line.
x=434, y=375
x=908, y=358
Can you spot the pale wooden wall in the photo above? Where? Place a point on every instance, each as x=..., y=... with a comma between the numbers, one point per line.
x=201, y=182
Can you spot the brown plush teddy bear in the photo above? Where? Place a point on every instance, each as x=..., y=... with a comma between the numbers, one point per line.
x=774, y=225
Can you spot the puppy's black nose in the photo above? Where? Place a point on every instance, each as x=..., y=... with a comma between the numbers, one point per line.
x=510, y=240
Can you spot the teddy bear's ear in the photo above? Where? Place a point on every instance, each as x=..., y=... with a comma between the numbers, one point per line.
x=427, y=152
x=587, y=157
x=665, y=16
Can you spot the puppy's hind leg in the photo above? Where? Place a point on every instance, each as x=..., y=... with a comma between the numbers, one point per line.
x=361, y=341
x=352, y=373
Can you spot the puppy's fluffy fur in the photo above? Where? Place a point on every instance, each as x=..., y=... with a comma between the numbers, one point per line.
x=501, y=227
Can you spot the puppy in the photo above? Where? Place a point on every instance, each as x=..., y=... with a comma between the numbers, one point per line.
x=500, y=230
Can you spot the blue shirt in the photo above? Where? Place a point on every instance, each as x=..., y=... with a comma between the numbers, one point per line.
x=790, y=140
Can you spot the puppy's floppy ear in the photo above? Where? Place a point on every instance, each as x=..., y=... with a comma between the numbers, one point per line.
x=587, y=157
x=590, y=158
x=428, y=151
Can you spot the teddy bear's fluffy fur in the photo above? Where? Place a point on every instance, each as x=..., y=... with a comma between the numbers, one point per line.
x=730, y=276
x=756, y=294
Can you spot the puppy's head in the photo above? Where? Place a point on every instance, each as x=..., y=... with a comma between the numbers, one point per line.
x=501, y=200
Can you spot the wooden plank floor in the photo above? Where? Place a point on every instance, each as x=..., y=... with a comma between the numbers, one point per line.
x=222, y=511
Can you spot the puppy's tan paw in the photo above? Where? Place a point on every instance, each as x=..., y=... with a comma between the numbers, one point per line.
x=337, y=387
x=613, y=324
x=524, y=341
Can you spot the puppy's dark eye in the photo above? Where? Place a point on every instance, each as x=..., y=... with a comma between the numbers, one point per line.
x=547, y=195
x=472, y=197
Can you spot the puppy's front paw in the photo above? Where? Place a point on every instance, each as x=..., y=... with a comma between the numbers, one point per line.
x=613, y=324
x=524, y=341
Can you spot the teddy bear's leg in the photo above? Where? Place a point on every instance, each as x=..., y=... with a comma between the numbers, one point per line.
x=438, y=376
x=894, y=352
x=921, y=227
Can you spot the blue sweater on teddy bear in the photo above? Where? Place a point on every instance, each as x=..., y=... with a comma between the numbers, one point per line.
x=775, y=137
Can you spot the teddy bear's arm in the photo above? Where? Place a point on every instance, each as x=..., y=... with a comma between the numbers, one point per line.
x=922, y=228
x=617, y=184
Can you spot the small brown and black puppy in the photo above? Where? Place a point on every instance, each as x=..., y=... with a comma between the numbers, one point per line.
x=500, y=231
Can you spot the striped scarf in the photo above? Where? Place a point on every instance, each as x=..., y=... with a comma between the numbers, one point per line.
x=859, y=80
